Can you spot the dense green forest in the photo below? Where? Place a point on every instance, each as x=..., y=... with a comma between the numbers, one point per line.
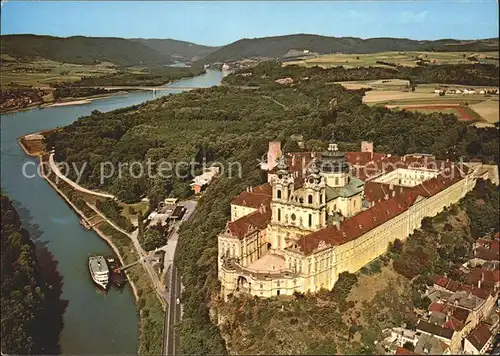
x=220, y=123
x=81, y=50
x=233, y=125
x=145, y=77
x=76, y=92
x=30, y=320
x=465, y=74
x=275, y=47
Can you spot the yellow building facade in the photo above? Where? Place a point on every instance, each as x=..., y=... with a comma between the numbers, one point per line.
x=315, y=226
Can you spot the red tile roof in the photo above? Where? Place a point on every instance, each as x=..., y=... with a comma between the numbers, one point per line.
x=436, y=307
x=460, y=314
x=487, y=254
x=453, y=285
x=482, y=293
x=260, y=195
x=376, y=192
x=434, y=329
x=247, y=224
x=441, y=281
x=363, y=158
x=493, y=244
x=488, y=249
x=365, y=221
x=357, y=225
x=487, y=277
x=299, y=161
x=454, y=324
x=480, y=336
x=403, y=351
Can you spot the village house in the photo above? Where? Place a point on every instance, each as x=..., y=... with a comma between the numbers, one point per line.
x=478, y=341
x=399, y=336
x=203, y=180
x=436, y=339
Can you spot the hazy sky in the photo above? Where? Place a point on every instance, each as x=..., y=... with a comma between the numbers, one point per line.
x=218, y=23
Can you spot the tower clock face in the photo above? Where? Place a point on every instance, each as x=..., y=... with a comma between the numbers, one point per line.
x=311, y=180
x=280, y=176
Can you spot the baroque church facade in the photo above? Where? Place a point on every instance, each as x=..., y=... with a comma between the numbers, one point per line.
x=321, y=214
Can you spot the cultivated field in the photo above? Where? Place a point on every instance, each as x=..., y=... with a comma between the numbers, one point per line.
x=395, y=94
x=409, y=59
x=462, y=112
x=488, y=109
x=42, y=73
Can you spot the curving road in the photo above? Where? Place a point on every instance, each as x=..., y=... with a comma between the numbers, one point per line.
x=54, y=167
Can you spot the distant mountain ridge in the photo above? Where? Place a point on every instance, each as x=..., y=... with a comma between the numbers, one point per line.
x=141, y=51
x=81, y=50
x=177, y=50
x=88, y=50
x=278, y=46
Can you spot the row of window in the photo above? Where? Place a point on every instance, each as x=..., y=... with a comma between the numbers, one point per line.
x=310, y=198
x=293, y=217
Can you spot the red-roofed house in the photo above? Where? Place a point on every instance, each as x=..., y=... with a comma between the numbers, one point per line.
x=250, y=201
x=403, y=351
x=478, y=341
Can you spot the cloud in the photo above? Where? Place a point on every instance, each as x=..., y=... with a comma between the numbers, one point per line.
x=412, y=17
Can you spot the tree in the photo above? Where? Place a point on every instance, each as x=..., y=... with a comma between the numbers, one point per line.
x=409, y=346
x=24, y=304
x=343, y=286
x=153, y=239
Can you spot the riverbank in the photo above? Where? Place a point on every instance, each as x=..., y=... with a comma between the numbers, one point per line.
x=84, y=100
x=64, y=102
x=84, y=217
x=150, y=310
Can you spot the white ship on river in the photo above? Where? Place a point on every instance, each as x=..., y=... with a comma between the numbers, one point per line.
x=99, y=271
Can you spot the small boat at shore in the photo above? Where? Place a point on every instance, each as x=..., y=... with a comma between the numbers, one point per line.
x=117, y=276
x=99, y=271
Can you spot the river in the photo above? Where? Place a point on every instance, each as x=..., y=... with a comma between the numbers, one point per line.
x=94, y=322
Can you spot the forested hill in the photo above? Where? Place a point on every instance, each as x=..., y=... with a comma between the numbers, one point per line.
x=126, y=52
x=275, y=47
x=81, y=50
x=177, y=50
x=23, y=288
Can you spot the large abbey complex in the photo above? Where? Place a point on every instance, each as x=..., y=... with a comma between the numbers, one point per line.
x=321, y=214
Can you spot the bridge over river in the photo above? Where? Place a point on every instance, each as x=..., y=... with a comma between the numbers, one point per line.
x=155, y=88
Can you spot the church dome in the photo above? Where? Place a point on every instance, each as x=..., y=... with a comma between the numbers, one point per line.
x=333, y=161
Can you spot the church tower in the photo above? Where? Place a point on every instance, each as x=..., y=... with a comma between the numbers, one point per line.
x=282, y=182
x=314, y=186
x=334, y=167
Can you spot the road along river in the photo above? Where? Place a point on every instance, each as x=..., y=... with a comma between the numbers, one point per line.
x=94, y=323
